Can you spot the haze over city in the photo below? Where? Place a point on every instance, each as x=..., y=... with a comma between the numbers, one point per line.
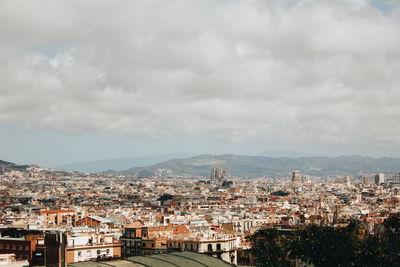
x=91, y=80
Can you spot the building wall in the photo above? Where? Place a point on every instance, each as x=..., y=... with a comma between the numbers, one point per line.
x=21, y=248
x=224, y=249
x=88, y=221
x=85, y=254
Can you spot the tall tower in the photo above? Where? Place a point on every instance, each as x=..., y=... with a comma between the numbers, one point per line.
x=217, y=172
x=296, y=177
x=379, y=178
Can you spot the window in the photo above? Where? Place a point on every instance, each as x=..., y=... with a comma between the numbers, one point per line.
x=98, y=252
x=152, y=245
x=79, y=254
x=144, y=245
x=108, y=251
x=209, y=247
x=218, y=246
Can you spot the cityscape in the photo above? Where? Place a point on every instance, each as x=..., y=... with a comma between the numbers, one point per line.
x=193, y=133
x=50, y=216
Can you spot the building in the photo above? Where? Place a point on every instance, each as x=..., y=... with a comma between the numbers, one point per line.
x=58, y=217
x=9, y=260
x=132, y=239
x=347, y=180
x=217, y=174
x=20, y=242
x=93, y=221
x=91, y=245
x=19, y=246
x=70, y=247
x=55, y=243
x=379, y=178
x=296, y=177
x=222, y=248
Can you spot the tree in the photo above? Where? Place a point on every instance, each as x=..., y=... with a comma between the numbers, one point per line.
x=269, y=248
x=326, y=246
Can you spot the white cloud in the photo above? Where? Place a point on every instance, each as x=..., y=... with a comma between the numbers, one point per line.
x=293, y=71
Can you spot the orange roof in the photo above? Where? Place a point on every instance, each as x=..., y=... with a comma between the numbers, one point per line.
x=56, y=211
x=135, y=224
x=180, y=229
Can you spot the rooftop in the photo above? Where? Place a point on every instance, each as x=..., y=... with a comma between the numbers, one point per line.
x=160, y=260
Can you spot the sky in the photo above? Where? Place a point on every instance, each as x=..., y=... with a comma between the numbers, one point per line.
x=97, y=79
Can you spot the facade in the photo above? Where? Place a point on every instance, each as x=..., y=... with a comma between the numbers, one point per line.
x=93, y=252
x=91, y=245
x=58, y=217
x=225, y=249
x=296, y=177
x=55, y=243
x=379, y=178
x=19, y=246
x=365, y=180
x=22, y=243
x=132, y=240
x=154, y=246
x=9, y=260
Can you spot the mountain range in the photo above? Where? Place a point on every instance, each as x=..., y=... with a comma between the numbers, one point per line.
x=119, y=164
x=259, y=166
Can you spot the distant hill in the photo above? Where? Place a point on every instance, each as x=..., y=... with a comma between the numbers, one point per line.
x=258, y=166
x=5, y=163
x=286, y=153
x=12, y=166
x=118, y=164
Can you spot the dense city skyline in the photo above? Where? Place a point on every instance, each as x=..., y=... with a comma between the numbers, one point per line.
x=95, y=80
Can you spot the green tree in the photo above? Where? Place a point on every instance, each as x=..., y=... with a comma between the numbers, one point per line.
x=269, y=248
x=326, y=246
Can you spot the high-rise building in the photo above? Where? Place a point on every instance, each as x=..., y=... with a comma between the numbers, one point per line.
x=296, y=177
x=379, y=178
x=347, y=180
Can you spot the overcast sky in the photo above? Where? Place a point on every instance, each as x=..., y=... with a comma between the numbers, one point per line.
x=96, y=79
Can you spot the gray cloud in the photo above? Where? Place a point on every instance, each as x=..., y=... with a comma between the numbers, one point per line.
x=292, y=71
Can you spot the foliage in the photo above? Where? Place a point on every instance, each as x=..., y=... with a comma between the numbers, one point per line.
x=268, y=246
x=329, y=246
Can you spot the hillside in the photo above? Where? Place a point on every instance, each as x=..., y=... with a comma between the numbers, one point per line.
x=12, y=166
x=258, y=166
x=118, y=164
x=5, y=163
